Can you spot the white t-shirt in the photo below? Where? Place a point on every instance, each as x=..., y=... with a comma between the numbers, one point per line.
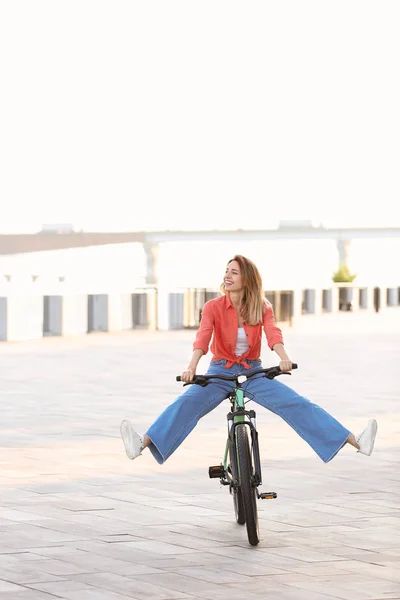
x=241, y=344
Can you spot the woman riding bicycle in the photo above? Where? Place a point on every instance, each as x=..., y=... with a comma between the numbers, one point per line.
x=235, y=322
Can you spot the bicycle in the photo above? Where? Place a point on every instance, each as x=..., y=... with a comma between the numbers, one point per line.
x=243, y=471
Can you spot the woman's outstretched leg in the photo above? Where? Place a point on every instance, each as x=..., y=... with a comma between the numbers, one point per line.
x=317, y=427
x=175, y=423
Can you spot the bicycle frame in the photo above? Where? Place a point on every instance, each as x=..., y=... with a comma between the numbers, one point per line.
x=241, y=416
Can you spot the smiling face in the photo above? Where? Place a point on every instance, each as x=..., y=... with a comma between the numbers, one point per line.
x=233, y=278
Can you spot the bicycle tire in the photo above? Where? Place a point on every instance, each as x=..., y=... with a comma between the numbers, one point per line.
x=246, y=485
x=237, y=495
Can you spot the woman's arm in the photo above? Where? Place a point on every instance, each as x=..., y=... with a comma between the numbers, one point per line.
x=202, y=341
x=191, y=369
x=275, y=339
x=285, y=362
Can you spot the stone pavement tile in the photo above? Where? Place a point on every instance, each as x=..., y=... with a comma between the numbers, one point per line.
x=371, y=540
x=91, y=563
x=11, y=588
x=17, y=557
x=33, y=536
x=259, y=557
x=176, y=539
x=144, y=587
x=393, y=551
x=368, y=556
x=13, y=515
x=27, y=594
x=341, y=586
x=390, y=573
x=266, y=586
x=55, y=567
x=22, y=574
x=183, y=583
x=155, y=547
x=96, y=594
x=52, y=527
x=229, y=592
x=371, y=523
x=61, y=588
x=220, y=534
x=321, y=569
x=8, y=550
x=222, y=563
x=304, y=554
x=117, y=551
x=212, y=575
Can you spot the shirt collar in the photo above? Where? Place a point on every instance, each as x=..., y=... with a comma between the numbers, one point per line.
x=228, y=301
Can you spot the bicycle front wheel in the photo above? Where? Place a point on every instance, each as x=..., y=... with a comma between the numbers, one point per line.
x=248, y=490
x=236, y=492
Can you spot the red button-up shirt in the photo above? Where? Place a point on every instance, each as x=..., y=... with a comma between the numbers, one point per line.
x=219, y=319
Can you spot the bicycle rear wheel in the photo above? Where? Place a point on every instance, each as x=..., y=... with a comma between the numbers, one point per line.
x=248, y=490
x=236, y=493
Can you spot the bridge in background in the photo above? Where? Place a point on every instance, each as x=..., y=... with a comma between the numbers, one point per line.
x=48, y=240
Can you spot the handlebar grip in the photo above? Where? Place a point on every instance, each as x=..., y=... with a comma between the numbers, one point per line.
x=294, y=366
x=178, y=378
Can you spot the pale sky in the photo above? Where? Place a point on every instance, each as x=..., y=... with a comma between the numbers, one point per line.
x=226, y=114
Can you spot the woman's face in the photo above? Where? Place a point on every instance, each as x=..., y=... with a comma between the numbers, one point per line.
x=233, y=278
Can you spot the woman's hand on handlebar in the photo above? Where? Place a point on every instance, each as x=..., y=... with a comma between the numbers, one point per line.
x=187, y=376
x=285, y=366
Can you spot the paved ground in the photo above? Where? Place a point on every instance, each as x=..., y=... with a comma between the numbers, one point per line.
x=79, y=521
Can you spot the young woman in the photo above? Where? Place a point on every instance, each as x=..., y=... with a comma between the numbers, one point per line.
x=235, y=322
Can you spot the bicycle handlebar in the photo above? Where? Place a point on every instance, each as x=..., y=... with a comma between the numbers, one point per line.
x=270, y=373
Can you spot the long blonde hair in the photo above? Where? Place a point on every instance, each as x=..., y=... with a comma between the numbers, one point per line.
x=253, y=300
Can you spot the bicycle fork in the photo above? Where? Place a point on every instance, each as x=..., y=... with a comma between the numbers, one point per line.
x=223, y=472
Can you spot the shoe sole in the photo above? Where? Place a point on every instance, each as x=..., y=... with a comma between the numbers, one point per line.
x=128, y=437
x=374, y=428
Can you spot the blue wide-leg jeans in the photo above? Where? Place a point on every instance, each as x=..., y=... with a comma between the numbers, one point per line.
x=320, y=430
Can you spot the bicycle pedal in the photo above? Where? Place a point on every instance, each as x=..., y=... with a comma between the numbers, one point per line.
x=217, y=472
x=268, y=495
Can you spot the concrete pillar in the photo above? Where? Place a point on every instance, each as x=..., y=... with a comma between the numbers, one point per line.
x=189, y=308
x=75, y=314
x=152, y=252
x=309, y=301
x=326, y=300
x=97, y=312
x=120, y=312
x=370, y=298
x=277, y=306
x=163, y=308
x=363, y=298
x=175, y=304
x=24, y=317
x=383, y=298
x=392, y=297
x=318, y=301
x=152, y=309
x=355, y=300
x=52, y=315
x=297, y=304
x=335, y=300
x=3, y=319
x=343, y=247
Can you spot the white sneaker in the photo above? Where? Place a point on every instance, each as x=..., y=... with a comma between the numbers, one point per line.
x=132, y=440
x=366, y=438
